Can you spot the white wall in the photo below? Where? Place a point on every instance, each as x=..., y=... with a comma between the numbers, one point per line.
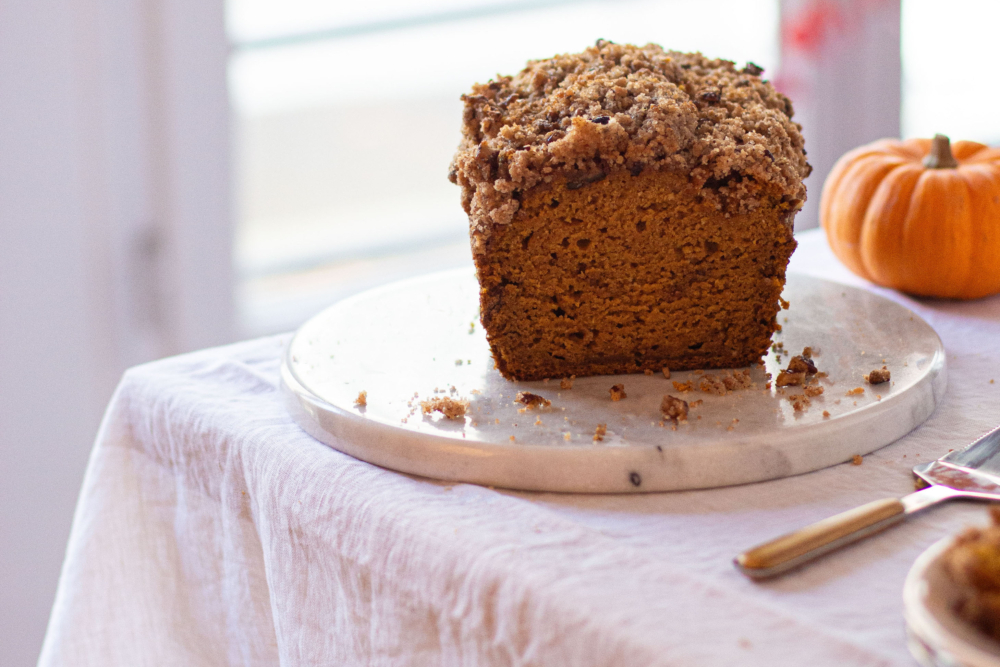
x=840, y=65
x=114, y=246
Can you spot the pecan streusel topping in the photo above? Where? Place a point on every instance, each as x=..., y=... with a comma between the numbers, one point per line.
x=619, y=108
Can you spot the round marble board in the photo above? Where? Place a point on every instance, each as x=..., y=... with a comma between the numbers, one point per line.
x=421, y=338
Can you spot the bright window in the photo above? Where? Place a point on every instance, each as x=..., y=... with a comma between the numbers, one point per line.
x=347, y=116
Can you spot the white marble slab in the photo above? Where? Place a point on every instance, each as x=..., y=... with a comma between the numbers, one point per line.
x=421, y=338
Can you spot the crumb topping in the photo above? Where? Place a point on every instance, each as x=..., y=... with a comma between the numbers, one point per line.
x=532, y=400
x=878, y=376
x=674, y=408
x=615, y=108
x=451, y=408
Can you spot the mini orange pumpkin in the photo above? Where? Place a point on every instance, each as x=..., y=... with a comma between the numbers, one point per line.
x=917, y=217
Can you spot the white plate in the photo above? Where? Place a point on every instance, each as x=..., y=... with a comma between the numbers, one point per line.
x=421, y=335
x=937, y=636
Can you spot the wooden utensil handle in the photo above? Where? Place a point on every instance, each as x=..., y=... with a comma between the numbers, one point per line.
x=795, y=548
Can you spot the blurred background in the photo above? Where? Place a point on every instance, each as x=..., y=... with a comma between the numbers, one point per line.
x=176, y=174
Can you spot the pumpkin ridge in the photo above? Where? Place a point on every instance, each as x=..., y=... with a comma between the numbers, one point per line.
x=937, y=226
x=984, y=265
x=884, y=218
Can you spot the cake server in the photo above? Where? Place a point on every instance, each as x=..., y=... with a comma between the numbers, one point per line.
x=972, y=472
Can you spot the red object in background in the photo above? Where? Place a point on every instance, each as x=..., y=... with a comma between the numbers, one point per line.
x=810, y=29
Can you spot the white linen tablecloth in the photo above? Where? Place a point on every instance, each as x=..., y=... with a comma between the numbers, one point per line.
x=212, y=531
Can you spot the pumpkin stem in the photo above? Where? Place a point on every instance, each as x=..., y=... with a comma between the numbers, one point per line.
x=940, y=156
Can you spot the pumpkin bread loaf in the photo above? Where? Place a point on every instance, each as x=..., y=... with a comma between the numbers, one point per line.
x=630, y=209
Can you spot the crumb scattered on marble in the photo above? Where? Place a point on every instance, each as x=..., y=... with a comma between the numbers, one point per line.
x=566, y=383
x=826, y=414
x=362, y=399
x=813, y=391
x=566, y=437
x=878, y=376
x=857, y=391
x=600, y=432
x=666, y=372
x=787, y=379
x=532, y=400
x=856, y=459
x=451, y=408
x=682, y=386
x=799, y=402
x=674, y=408
x=618, y=392
x=648, y=371
x=801, y=364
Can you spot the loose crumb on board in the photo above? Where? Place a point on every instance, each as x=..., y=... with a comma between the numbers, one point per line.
x=812, y=391
x=674, y=408
x=857, y=391
x=648, y=371
x=799, y=402
x=566, y=383
x=789, y=379
x=856, y=460
x=666, y=372
x=452, y=408
x=362, y=399
x=618, y=392
x=532, y=400
x=600, y=432
x=826, y=414
x=724, y=383
x=878, y=376
x=682, y=386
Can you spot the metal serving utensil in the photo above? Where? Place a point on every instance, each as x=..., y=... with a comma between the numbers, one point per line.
x=972, y=472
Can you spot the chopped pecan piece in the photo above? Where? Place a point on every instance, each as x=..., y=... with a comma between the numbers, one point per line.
x=801, y=364
x=532, y=400
x=787, y=379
